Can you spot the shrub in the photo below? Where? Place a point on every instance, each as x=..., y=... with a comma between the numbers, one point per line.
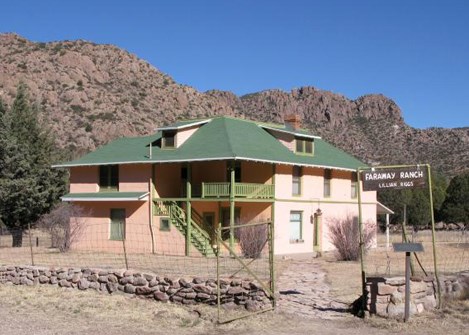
x=252, y=239
x=345, y=236
x=65, y=224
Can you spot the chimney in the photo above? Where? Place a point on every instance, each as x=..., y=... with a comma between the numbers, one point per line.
x=292, y=120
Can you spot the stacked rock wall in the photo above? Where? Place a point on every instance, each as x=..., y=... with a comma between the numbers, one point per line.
x=386, y=296
x=179, y=290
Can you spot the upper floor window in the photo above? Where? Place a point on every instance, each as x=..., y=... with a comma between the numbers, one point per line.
x=354, y=186
x=108, y=177
x=327, y=182
x=296, y=180
x=169, y=139
x=304, y=146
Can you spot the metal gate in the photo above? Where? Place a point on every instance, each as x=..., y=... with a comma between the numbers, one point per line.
x=245, y=271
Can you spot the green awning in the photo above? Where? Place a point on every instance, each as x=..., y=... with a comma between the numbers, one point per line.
x=106, y=196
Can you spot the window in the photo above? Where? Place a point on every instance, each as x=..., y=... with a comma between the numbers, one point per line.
x=354, y=186
x=296, y=180
x=304, y=146
x=327, y=182
x=117, y=224
x=169, y=139
x=165, y=224
x=296, y=229
x=108, y=177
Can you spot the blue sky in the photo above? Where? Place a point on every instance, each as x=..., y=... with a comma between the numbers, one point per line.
x=415, y=52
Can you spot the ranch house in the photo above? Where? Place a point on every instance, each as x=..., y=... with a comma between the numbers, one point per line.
x=191, y=177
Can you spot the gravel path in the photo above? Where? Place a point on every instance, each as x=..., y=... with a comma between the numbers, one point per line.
x=303, y=291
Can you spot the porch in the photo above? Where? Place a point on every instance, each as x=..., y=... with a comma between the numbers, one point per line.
x=223, y=190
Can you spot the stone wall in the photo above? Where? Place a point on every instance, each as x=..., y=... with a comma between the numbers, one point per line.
x=386, y=296
x=236, y=292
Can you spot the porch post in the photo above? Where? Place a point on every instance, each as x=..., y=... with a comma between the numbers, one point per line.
x=272, y=241
x=387, y=230
x=188, y=209
x=232, y=203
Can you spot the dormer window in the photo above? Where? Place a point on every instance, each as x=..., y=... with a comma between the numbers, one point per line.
x=304, y=146
x=169, y=139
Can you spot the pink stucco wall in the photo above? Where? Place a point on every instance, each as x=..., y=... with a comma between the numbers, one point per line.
x=84, y=179
x=208, y=172
x=287, y=140
x=97, y=227
x=252, y=172
x=168, y=184
x=184, y=134
x=168, y=180
x=339, y=205
x=134, y=177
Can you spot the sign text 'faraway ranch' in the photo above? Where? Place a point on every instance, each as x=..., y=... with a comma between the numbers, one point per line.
x=394, y=178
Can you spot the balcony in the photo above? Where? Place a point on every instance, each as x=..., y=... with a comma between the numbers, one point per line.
x=241, y=190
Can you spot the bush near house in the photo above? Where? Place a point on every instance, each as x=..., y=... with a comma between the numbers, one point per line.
x=345, y=236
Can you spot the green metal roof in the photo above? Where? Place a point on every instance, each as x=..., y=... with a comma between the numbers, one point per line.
x=105, y=196
x=221, y=138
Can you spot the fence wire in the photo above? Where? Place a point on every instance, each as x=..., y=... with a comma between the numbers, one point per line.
x=452, y=253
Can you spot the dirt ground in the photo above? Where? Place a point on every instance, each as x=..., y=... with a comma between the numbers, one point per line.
x=49, y=310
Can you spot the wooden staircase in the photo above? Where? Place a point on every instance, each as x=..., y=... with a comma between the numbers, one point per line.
x=200, y=238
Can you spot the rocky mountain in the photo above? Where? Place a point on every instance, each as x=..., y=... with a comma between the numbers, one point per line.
x=92, y=93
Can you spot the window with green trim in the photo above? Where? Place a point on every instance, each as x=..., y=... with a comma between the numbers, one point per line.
x=109, y=177
x=327, y=182
x=117, y=231
x=296, y=226
x=304, y=146
x=296, y=180
x=354, y=186
x=169, y=139
x=165, y=224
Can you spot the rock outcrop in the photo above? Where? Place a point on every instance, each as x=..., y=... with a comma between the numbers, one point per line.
x=91, y=94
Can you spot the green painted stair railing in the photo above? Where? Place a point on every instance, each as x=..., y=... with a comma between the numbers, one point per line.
x=200, y=239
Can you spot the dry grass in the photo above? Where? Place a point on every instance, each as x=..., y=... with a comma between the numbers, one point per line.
x=452, y=254
x=345, y=277
x=49, y=310
x=44, y=307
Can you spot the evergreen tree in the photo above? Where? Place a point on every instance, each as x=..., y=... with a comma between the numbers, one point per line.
x=416, y=202
x=29, y=187
x=456, y=205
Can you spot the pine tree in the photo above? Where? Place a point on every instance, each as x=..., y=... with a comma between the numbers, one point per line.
x=29, y=187
x=456, y=205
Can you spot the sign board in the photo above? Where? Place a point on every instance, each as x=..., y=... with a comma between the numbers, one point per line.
x=377, y=179
x=407, y=247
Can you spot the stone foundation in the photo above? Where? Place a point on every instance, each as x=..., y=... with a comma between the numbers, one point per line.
x=243, y=293
x=386, y=296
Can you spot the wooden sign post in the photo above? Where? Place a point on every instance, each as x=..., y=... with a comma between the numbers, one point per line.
x=407, y=248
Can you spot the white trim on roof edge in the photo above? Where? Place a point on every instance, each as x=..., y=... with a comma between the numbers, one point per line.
x=289, y=132
x=207, y=159
x=184, y=126
x=143, y=197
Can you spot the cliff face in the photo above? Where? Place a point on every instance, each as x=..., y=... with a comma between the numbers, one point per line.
x=93, y=93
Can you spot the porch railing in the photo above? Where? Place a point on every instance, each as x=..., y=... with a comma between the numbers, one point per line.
x=244, y=190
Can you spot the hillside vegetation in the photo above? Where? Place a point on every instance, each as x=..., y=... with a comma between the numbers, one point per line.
x=92, y=93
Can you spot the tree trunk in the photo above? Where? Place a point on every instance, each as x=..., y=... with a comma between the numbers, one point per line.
x=17, y=235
